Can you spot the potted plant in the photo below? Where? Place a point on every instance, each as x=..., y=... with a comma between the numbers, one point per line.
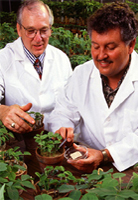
x=48, y=151
x=5, y=135
x=13, y=173
x=51, y=179
x=14, y=158
x=98, y=185
x=11, y=186
x=38, y=127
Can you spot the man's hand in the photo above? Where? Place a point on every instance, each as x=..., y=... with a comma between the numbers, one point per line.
x=66, y=132
x=15, y=114
x=87, y=165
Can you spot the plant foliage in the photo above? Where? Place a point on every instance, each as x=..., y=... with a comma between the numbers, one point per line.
x=48, y=144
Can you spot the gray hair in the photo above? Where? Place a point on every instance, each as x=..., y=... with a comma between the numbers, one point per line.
x=29, y=4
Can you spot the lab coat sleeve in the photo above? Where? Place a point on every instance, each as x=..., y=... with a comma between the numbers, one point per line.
x=2, y=87
x=125, y=151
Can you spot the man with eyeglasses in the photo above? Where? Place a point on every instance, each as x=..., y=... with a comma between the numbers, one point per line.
x=23, y=85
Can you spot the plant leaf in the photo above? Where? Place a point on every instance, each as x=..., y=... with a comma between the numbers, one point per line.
x=43, y=197
x=13, y=193
x=75, y=194
x=89, y=196
x=65, y=188
x=2, y=192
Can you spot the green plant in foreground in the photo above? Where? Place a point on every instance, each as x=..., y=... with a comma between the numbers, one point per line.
x=10, y=185
x=98, y=185
x=11, y=168
x=12, y=154
x=4, y=134
x=38, y=117
x=48, y=144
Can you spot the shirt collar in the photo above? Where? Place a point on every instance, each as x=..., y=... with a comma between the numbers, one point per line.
x=31, y=57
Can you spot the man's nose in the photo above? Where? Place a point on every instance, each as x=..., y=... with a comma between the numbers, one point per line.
x=102, y=54
x=38, y=36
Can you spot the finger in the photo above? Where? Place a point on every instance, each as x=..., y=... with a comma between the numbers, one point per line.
x=70, y=134
x=62, y=132
x=26, y=107
x=25, y=116
x=20, y=126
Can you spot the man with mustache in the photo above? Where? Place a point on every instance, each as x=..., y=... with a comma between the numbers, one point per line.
x=23, y=84
x=101, y=97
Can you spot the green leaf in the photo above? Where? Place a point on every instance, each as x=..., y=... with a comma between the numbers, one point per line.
x=118, y=175
x=2, y=192
x=12, y=176
x=25, y=177
x=89, y=196
x=43, y=197
x=28, y=184
x=103, y=191
x=3, y=166
x=128, y=194
x=109, y=182
x=65, y=188
x=3, y=180
x=65, y=198
x=13, y=193
x=75, y=194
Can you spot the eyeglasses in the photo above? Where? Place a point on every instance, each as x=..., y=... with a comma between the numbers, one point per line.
x=31, y=33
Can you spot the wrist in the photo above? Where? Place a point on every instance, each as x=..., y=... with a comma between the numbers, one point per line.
x=105, y=155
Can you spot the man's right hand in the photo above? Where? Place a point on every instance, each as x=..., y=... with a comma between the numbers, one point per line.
x=15, y=114
x=66, y=132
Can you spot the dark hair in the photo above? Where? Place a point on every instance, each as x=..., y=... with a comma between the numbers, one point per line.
x=29, y=4
x=112, y=16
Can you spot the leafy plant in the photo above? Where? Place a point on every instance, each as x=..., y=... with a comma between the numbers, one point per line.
x=48, y=144
x=61, y=39
x=52, y=177
x=4, y=134
x=112, y=187
x=10, y=185
x=98, y=185
x=38, y=117
x=12, y=154
x=7, y=34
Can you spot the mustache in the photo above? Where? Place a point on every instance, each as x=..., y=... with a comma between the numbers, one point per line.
x=104, y=60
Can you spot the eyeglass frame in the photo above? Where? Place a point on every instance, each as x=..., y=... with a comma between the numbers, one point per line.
x=35, y=31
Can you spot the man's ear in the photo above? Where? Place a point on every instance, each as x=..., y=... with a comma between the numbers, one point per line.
x=18, y=29
x=132, y=45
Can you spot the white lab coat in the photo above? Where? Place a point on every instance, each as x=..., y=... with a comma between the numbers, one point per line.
x=20, y=83
x=114, y=128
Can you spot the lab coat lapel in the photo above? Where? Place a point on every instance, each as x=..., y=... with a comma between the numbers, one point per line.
x=48, y=67
x=127, y=86
x=21, y=57
x=125, y=90
x=97, y=90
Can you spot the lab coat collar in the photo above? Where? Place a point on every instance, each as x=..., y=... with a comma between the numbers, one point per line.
x=125, y=90
x=127, y=86
x=20, y=56
x=17, y=47
x=19, y=51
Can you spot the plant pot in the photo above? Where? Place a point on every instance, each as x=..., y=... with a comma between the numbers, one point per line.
x=20, y=172
x=29, y=138
x=49, y=160
x=44, y=161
